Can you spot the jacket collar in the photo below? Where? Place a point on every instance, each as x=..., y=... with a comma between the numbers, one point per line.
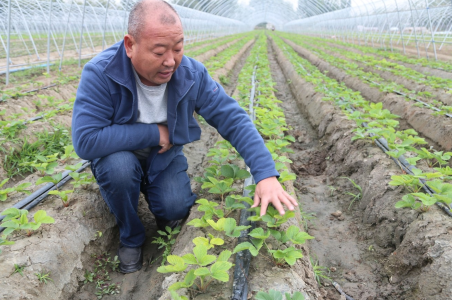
x=120, y=70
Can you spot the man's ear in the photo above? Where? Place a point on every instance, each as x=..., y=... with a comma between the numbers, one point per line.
x=129, y=44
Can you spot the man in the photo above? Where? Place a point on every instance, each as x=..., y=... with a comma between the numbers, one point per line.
x=134, y=112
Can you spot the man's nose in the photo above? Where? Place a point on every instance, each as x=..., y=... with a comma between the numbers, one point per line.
x=169, y=60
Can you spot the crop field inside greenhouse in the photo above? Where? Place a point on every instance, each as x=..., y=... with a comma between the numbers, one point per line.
x=353, y=102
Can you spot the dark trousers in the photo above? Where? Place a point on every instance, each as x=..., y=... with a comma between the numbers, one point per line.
x=121, y=177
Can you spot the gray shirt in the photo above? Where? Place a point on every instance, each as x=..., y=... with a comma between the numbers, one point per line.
x=152, y=108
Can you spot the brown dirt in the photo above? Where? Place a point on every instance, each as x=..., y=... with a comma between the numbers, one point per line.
x=435, y=128
x=207, y=55
x=379, y=252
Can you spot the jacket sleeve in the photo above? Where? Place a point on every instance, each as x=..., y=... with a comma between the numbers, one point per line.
x=93, y=133
x=234, y=124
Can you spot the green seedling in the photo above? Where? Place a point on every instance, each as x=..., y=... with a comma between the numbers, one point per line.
x=166, y=241
x=234, y=202
x=202, y=277
x=103, y=264
x=64, y=196
x=319, y=271
x=228, y=225
x=288, y=255
x=233, y=172
x=18, y=269
x=275, y=295
x=44, y=276
x=409, y=201
x=44, y=164
x=355, y=196
x=4, y=242
x=286, y=176
x=55, y=179
x=21, y=188
x=208, y=242
x=16, y=220
x=69, y=153
x=82, y=180
x=219, y=187
x=437, y=158
x=176, y=296
x=272, y=217
x=209, y=209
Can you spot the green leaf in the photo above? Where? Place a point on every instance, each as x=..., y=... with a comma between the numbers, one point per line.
x=272, y=295
x=177, y=264
x=219, y=270
x=198, y=223
x=259, y=233
x=202, y=257
x=176, y=296
x=246, y=246
x=41, y=217
x=190, y=259
x=202, y=271
x=227, y=171
x=224, y=255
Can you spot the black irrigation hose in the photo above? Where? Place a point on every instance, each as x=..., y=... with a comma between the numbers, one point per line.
x=42, y=88
x=35, y=198
x=339, y=289
x=406, y=167
x=243, y=258
x=405, y=95
x=401, y=161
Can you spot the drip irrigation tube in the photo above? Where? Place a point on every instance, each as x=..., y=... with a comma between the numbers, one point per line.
x=339, y=289
x=406, y=167
x=38, y=196
x=405, y=95
x=42, y=88
x=401, y=161
x=243, y=258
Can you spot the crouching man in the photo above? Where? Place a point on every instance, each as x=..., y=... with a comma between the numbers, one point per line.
x=134, y=112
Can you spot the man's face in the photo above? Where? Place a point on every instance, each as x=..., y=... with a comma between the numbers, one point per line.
x=157, y=53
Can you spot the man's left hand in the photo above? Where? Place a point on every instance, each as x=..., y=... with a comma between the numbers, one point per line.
x=268, y=191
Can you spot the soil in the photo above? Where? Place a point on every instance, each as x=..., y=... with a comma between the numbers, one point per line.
x=372, y=250
x=379, y=252
x=436, y=129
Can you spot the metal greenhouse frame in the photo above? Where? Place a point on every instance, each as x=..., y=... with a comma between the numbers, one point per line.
x=41, y=33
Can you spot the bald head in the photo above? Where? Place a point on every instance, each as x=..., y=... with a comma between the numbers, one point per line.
x=145, y=11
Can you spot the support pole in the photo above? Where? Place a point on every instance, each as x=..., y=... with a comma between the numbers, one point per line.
x=48, y=37
x=431, y=31
x=81, y=36
x=65, y=32
x=8, y=42
x=105, y=26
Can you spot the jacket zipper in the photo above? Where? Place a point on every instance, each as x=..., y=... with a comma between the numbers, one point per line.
x=175, y=114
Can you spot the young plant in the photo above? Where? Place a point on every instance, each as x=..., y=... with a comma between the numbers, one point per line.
x=21, y=188
x=201, y=276
x=18, y=269
x=234, y=172
x=16, y=220
x=228, y=225
x=103, y=264
x=64, y=196
x=319, y=271
x=166, y=240
x=69, y=153
x=44, y=276
x=219, y=187
x=44, y=164
x=355, y=196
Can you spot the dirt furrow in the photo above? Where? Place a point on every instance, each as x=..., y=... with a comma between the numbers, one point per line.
x=397, y=250
x=437, y=129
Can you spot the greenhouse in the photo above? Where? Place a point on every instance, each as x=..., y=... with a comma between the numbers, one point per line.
x=226, y=149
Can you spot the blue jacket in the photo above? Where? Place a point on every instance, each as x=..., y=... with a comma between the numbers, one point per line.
x=106, y=107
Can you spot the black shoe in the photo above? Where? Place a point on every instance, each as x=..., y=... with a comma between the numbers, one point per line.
x=130, y=259
x=161, y=224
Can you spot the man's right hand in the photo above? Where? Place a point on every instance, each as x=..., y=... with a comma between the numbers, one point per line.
x=164, y=138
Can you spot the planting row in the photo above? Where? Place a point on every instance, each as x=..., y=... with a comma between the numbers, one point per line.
x=374, y=122
x=344, y=60
x=218, y=221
